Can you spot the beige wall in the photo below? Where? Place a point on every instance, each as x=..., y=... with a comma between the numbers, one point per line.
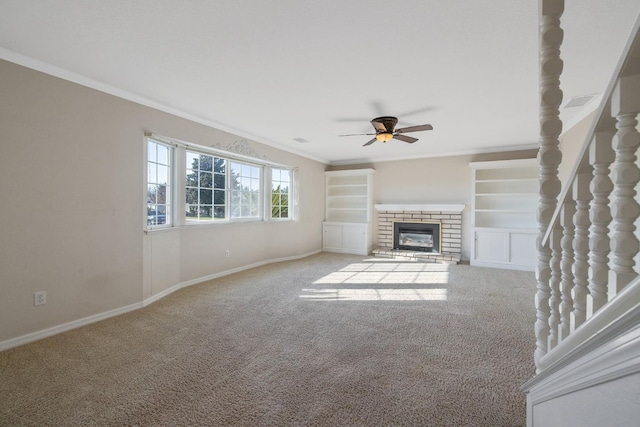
x=432, y=180
x=72, y=206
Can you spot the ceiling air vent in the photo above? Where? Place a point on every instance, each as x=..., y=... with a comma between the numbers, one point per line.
x=578, y=101
x=300, y=140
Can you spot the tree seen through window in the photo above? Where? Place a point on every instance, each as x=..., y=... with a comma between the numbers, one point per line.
x=205, y=187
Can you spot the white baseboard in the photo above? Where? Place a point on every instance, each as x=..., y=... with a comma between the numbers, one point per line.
x=54, y=330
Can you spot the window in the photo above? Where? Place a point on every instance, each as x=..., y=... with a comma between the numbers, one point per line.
x=245, y=190
x=211, y=185
x=158, y=183
x=280, y=193
x=206, y=192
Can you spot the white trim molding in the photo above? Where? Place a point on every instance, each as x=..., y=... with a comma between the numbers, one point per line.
x=452, y=207
x=55, y=330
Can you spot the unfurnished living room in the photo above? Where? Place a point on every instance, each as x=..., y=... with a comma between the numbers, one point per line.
x=299, y=213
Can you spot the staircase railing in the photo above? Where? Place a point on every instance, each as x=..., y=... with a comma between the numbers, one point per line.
x=587, y=279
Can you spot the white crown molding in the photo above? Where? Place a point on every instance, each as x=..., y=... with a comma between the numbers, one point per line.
x=452, y=207
x=533, y=146
x=70, y=76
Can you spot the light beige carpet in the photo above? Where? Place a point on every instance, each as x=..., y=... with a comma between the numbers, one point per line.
x=328, y=340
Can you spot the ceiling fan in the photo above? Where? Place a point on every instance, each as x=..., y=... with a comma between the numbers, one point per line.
x=384, y=127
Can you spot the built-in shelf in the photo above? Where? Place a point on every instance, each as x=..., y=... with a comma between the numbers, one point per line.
x=504, y=203
x=348, y=211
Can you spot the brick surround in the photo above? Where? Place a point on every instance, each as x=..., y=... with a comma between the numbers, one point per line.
x=449, y=217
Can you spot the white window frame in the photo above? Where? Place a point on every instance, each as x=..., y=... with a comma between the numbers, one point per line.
x=178, y=150
x=253, y=175
x=191, y=220
x=290, y=195
x=170, y=195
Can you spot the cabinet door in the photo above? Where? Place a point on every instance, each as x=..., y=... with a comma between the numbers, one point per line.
x=354, y=237
x=522, y=249
x=332, y=236
x=492, y=246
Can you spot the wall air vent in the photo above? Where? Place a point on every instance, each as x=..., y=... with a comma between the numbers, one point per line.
x=578, y=101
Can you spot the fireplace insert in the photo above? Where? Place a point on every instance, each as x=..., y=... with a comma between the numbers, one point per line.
x=416, y=236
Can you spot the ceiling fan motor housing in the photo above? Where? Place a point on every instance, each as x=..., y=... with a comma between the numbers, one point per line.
x=384, y=124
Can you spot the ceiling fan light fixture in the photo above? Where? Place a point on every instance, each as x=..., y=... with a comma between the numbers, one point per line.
x=384, y=136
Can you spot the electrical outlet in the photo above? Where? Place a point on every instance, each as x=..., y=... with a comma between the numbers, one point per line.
x=40, y=298
x=226, y=253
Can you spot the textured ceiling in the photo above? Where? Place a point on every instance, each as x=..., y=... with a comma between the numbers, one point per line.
x=280, y=70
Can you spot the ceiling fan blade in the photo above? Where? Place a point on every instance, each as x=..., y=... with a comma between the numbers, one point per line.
x=415, y=128
x=370, y=142
x=357, y=134
x=405, y=138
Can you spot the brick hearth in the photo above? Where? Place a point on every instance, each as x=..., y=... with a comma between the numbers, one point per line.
x=448, y=215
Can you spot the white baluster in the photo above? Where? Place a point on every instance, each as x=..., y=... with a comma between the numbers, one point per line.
x=566, y=266
x=601, y=155
x=549, y=157
x=625, y=105
x=582, y=196
x=554, y=285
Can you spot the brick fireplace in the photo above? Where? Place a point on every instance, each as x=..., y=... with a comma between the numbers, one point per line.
x=447, y=216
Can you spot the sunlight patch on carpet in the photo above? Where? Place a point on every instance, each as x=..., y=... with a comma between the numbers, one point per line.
x=374, y=294
x=389, y=273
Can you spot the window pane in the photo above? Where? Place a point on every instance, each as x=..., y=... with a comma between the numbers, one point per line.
x=206, y=163
x=246, y=183
x=255, y=184
x=218, y=181
x=161, y=194
x=192, y=178
x=192, y=161
x=158, y=183
x=151, y=193
x=206, y=197
x=205, y=180
x=152, y=151
x=151, y=214
x=280, y=192
x=205, y=212
x=152, y=173
x=163, y=174
x=192, y=196
x=219, y=197
x=192, y=211
x=219, y=165
x=163, y=154
x=200, y=181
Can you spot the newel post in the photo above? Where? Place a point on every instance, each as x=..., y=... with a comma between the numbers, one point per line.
x=549, y=157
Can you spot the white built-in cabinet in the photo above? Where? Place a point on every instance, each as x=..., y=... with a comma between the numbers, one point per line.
x=348, y=212
x=504, y=204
